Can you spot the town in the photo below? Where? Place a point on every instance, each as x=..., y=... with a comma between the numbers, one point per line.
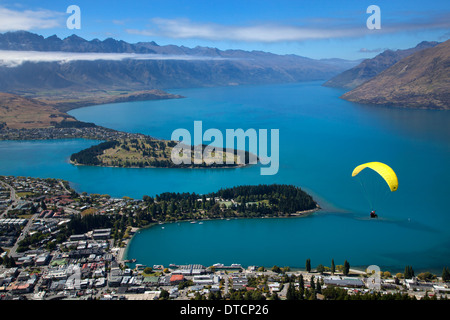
x=59, y=244
x=67, y=130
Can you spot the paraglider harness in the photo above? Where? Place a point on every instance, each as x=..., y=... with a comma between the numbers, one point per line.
x=373, y=214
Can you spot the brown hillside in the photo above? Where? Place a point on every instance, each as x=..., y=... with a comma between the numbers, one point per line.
x=17, y=112
x=421, y=80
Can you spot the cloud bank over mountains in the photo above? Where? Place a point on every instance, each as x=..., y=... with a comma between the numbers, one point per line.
x=12, y=58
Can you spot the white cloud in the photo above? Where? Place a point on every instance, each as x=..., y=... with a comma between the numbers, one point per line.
x=11, y=58
x=185, y=29
x=11, y=20
x=365, y=50
x=271, y=32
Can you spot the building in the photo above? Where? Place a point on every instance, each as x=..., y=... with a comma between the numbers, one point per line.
x=77, y=237
x=101, y=234
x=441, y=289
x=176, y=279
x=190, y=270
x=206, y=279
x=164, y=281
x=115, y=277
x=239, y=282
x=343, y=281
x=20, y=288
x=274, y=287
x=42, y=259
x=150, y=281
x=13, y=222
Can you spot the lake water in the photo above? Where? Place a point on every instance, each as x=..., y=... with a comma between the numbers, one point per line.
x=322, y=138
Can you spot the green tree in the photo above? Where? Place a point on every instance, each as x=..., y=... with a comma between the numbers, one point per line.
x=333, y=267
x=291, y=293
x=9, y=262
x=445, y=274
x=308, y=265
x=320, y=268
x=276, y=269
x=274, y=296
x=318, y=287
x=148, y=270
x=164, y=295
x=301, y=282
x=312, y=294
x=346, y=270
x=409, y=272
x=426, y=276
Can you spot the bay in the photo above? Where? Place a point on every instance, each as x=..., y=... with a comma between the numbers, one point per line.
x=322, y=138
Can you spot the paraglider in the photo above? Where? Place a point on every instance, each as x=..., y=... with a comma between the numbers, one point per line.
x=386, y=173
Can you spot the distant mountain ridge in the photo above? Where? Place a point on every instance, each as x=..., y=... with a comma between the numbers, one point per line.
x=236, y=67
x=369, y=68
x=27, y=41
x=420, y=80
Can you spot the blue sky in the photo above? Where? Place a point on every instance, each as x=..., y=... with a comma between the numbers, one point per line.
x=316, y=29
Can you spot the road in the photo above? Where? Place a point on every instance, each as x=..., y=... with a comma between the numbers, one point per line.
x=64, y=187
x=13, y=250
x=12, y=197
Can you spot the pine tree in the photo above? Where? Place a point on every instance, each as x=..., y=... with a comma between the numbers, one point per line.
x=301, y=287
x=445, y=275
x=291, y=293
x=301, y=282
x=312, y=295
x=333, y=267
x=308, y=265
x=318, y=287
x=409, y=272
x=346, y=268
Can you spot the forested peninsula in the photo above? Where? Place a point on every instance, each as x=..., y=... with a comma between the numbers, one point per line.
x=147, y=152
x=247, y=201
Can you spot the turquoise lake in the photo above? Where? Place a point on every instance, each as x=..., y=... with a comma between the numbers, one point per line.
x=322, y=138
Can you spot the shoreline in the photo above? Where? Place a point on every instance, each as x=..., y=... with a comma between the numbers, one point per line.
x=63, y=101
x=37, y=111
x=174, y=167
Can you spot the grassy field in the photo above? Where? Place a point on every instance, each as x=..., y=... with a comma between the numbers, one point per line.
x=43, y=109
x=18, y=112
x=149, y=153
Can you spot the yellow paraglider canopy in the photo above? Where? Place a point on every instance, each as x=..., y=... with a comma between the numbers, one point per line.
x=383, y=170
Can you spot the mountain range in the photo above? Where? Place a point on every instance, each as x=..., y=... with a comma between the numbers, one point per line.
x=150, y=67
x=49, y=76
x=369, y=68
x=420, y=80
